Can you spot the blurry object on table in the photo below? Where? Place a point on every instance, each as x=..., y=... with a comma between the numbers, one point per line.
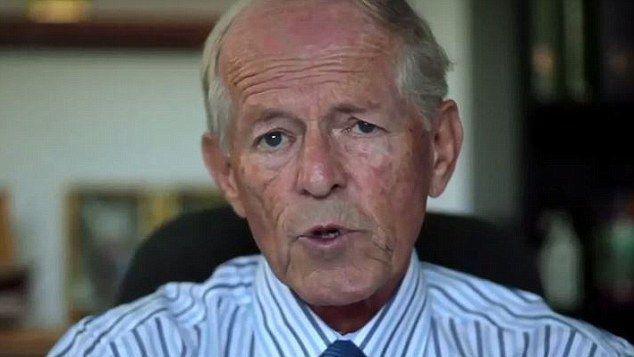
x=13, y=279
x=614, y=254
x=13, y=296
x=561, y=262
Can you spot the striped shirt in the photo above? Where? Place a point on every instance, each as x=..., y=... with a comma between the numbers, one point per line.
x=244, y=310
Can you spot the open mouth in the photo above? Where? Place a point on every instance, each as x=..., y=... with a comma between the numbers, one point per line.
x=325, y=233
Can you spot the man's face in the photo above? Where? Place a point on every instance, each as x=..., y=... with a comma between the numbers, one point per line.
x=330, y=166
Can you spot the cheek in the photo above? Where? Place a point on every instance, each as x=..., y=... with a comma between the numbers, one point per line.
x=384, y=166
x=262, y=194
x=389, y=180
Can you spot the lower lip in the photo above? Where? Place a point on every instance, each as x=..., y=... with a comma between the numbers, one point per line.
x=325, y=243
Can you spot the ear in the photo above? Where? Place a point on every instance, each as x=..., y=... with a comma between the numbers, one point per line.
x=220, y=168
x=446, y=143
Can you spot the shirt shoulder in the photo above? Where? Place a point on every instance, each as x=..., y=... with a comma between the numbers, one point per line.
x=474, y=312
x=167, y=321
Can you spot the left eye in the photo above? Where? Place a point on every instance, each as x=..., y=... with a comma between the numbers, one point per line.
x=272, y=141
x=362, y=127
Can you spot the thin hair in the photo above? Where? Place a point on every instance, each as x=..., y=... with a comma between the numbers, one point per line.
x=421, y=67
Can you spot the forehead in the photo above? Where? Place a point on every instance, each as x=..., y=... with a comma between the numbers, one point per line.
x=300, y=26
x=300, y=40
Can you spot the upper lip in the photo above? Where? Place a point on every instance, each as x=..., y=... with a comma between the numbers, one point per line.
x=311, y=231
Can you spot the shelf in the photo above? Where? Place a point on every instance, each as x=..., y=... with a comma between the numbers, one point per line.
x=19, y=32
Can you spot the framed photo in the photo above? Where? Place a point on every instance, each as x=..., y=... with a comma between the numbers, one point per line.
x=106, y=224
x=104, y=232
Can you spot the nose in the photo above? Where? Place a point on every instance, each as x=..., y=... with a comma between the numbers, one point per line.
x=319, y=169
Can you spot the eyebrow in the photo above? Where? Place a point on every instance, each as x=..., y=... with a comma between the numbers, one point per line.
x=269, y=114
x=345, y=108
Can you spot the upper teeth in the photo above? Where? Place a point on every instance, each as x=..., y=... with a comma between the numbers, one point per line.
x=328, y=234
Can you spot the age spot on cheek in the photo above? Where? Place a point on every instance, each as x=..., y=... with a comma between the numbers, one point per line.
x=376, y=154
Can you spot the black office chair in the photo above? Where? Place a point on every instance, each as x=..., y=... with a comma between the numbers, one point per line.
x=191, y=246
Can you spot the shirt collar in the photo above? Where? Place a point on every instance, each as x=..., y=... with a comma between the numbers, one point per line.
x=285, y=320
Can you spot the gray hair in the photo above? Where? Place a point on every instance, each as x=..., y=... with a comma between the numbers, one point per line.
x=420, y=74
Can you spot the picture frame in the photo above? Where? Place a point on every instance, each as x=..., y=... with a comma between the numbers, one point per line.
x=103, y=231
x=106, y=223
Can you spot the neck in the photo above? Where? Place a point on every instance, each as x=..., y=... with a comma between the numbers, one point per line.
x=349, y=318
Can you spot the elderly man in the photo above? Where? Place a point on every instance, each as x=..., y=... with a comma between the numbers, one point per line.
x=328, y=130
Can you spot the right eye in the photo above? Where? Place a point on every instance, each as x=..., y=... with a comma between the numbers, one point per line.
x=272, y=141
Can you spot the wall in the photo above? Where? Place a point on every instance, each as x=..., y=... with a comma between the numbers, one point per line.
x=76, y=116
x=102, y=116
x=497, y=156
x=450, y=21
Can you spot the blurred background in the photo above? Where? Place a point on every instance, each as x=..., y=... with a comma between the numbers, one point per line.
x=101, y=115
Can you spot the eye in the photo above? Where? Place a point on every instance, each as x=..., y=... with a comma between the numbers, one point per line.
x=272, y=141
x=363, y=128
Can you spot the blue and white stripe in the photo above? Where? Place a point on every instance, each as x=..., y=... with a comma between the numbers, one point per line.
x=244, y=310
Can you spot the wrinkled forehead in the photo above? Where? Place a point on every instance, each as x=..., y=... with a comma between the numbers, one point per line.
x=302, y=30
